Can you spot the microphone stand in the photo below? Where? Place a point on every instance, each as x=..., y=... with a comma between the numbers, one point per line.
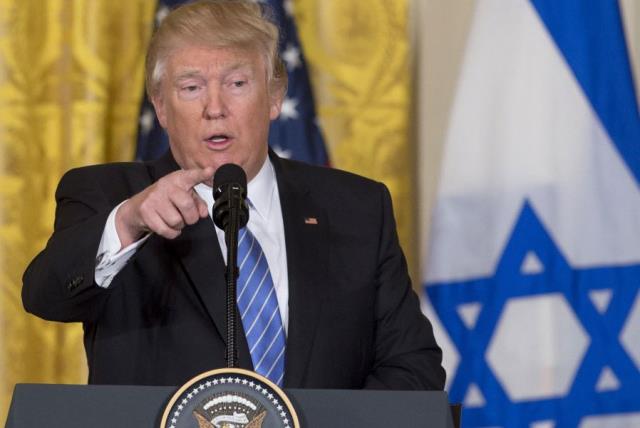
x=234, y=195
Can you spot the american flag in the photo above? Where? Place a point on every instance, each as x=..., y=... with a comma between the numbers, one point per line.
x=295, y=134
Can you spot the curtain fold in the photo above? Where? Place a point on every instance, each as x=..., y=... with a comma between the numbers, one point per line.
x=70, y=86
x=360, y=69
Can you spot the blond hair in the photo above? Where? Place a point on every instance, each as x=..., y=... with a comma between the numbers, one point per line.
x=236, y=24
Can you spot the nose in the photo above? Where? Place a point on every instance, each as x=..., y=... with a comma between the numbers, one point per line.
x=214, y=107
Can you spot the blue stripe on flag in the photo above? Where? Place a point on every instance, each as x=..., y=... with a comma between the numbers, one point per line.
x=599, y=60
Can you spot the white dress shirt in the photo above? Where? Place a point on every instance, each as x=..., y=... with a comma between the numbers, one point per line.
x=265, y=222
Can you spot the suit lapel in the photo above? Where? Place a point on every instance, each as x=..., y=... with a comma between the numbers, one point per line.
x=200, y=255
x=198, y=250
x=306, y=230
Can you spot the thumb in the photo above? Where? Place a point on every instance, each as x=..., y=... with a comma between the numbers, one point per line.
x=203, y=210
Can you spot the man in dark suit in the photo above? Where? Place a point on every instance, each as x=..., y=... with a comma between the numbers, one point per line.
x=136, y=258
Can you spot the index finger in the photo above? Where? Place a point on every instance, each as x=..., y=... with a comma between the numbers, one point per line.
x=190, y=177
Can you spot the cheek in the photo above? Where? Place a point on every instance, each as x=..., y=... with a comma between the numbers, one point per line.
x=184, y=116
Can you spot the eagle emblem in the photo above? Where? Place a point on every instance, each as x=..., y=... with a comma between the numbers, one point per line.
x=229, y=410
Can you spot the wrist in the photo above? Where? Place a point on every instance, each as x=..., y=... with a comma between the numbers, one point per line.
x=127, y=230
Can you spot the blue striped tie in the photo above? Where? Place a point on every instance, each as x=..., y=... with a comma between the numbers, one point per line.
x=259, y=311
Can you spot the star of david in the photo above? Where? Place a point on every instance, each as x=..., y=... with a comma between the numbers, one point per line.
x=603, y=349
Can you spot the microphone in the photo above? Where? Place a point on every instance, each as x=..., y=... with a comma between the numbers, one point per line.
x=230, y=193
x=230, y=213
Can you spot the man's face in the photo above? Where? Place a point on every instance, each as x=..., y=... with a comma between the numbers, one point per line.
x=216, y=107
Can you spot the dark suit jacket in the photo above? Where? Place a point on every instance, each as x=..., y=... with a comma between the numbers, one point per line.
x=354, y=321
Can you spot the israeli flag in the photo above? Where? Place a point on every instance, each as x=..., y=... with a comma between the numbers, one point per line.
x=534, y=260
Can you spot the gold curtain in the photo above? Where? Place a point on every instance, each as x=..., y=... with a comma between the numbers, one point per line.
x=358, y=54
x=71, y=75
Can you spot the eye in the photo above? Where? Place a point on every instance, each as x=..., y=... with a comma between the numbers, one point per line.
x=190, y=90
x=239, y=83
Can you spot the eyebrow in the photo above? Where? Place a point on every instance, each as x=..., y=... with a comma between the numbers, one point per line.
x=238, y=65
x=191, y=73
x=188, y=74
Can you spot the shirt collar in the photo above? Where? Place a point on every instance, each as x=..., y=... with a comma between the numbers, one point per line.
x=260, y=189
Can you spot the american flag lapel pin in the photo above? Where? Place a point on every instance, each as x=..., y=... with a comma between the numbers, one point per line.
x=310, y=220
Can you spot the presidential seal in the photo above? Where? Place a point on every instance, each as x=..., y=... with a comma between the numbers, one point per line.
x=230, y=410
x=229, y=398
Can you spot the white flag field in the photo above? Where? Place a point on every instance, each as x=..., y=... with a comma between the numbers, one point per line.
x=533, y=274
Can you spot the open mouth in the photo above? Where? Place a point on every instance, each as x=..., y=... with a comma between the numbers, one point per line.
x=218, y=139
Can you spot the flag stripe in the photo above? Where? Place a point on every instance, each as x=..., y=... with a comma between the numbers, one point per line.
x=609, y=89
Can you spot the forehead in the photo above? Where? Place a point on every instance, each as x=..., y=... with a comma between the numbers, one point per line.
x=206, y=60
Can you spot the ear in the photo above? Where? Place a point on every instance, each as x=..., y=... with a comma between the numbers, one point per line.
x=160, y=108
x=275, y=104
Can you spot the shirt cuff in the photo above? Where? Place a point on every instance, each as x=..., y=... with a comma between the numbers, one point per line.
x=111, y=257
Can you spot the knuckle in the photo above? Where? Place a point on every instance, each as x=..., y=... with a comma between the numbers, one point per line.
x=192, y=217
x=175, y=222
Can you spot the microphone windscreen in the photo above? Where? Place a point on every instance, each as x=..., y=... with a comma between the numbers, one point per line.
x=229, y=173
x=229, y=194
